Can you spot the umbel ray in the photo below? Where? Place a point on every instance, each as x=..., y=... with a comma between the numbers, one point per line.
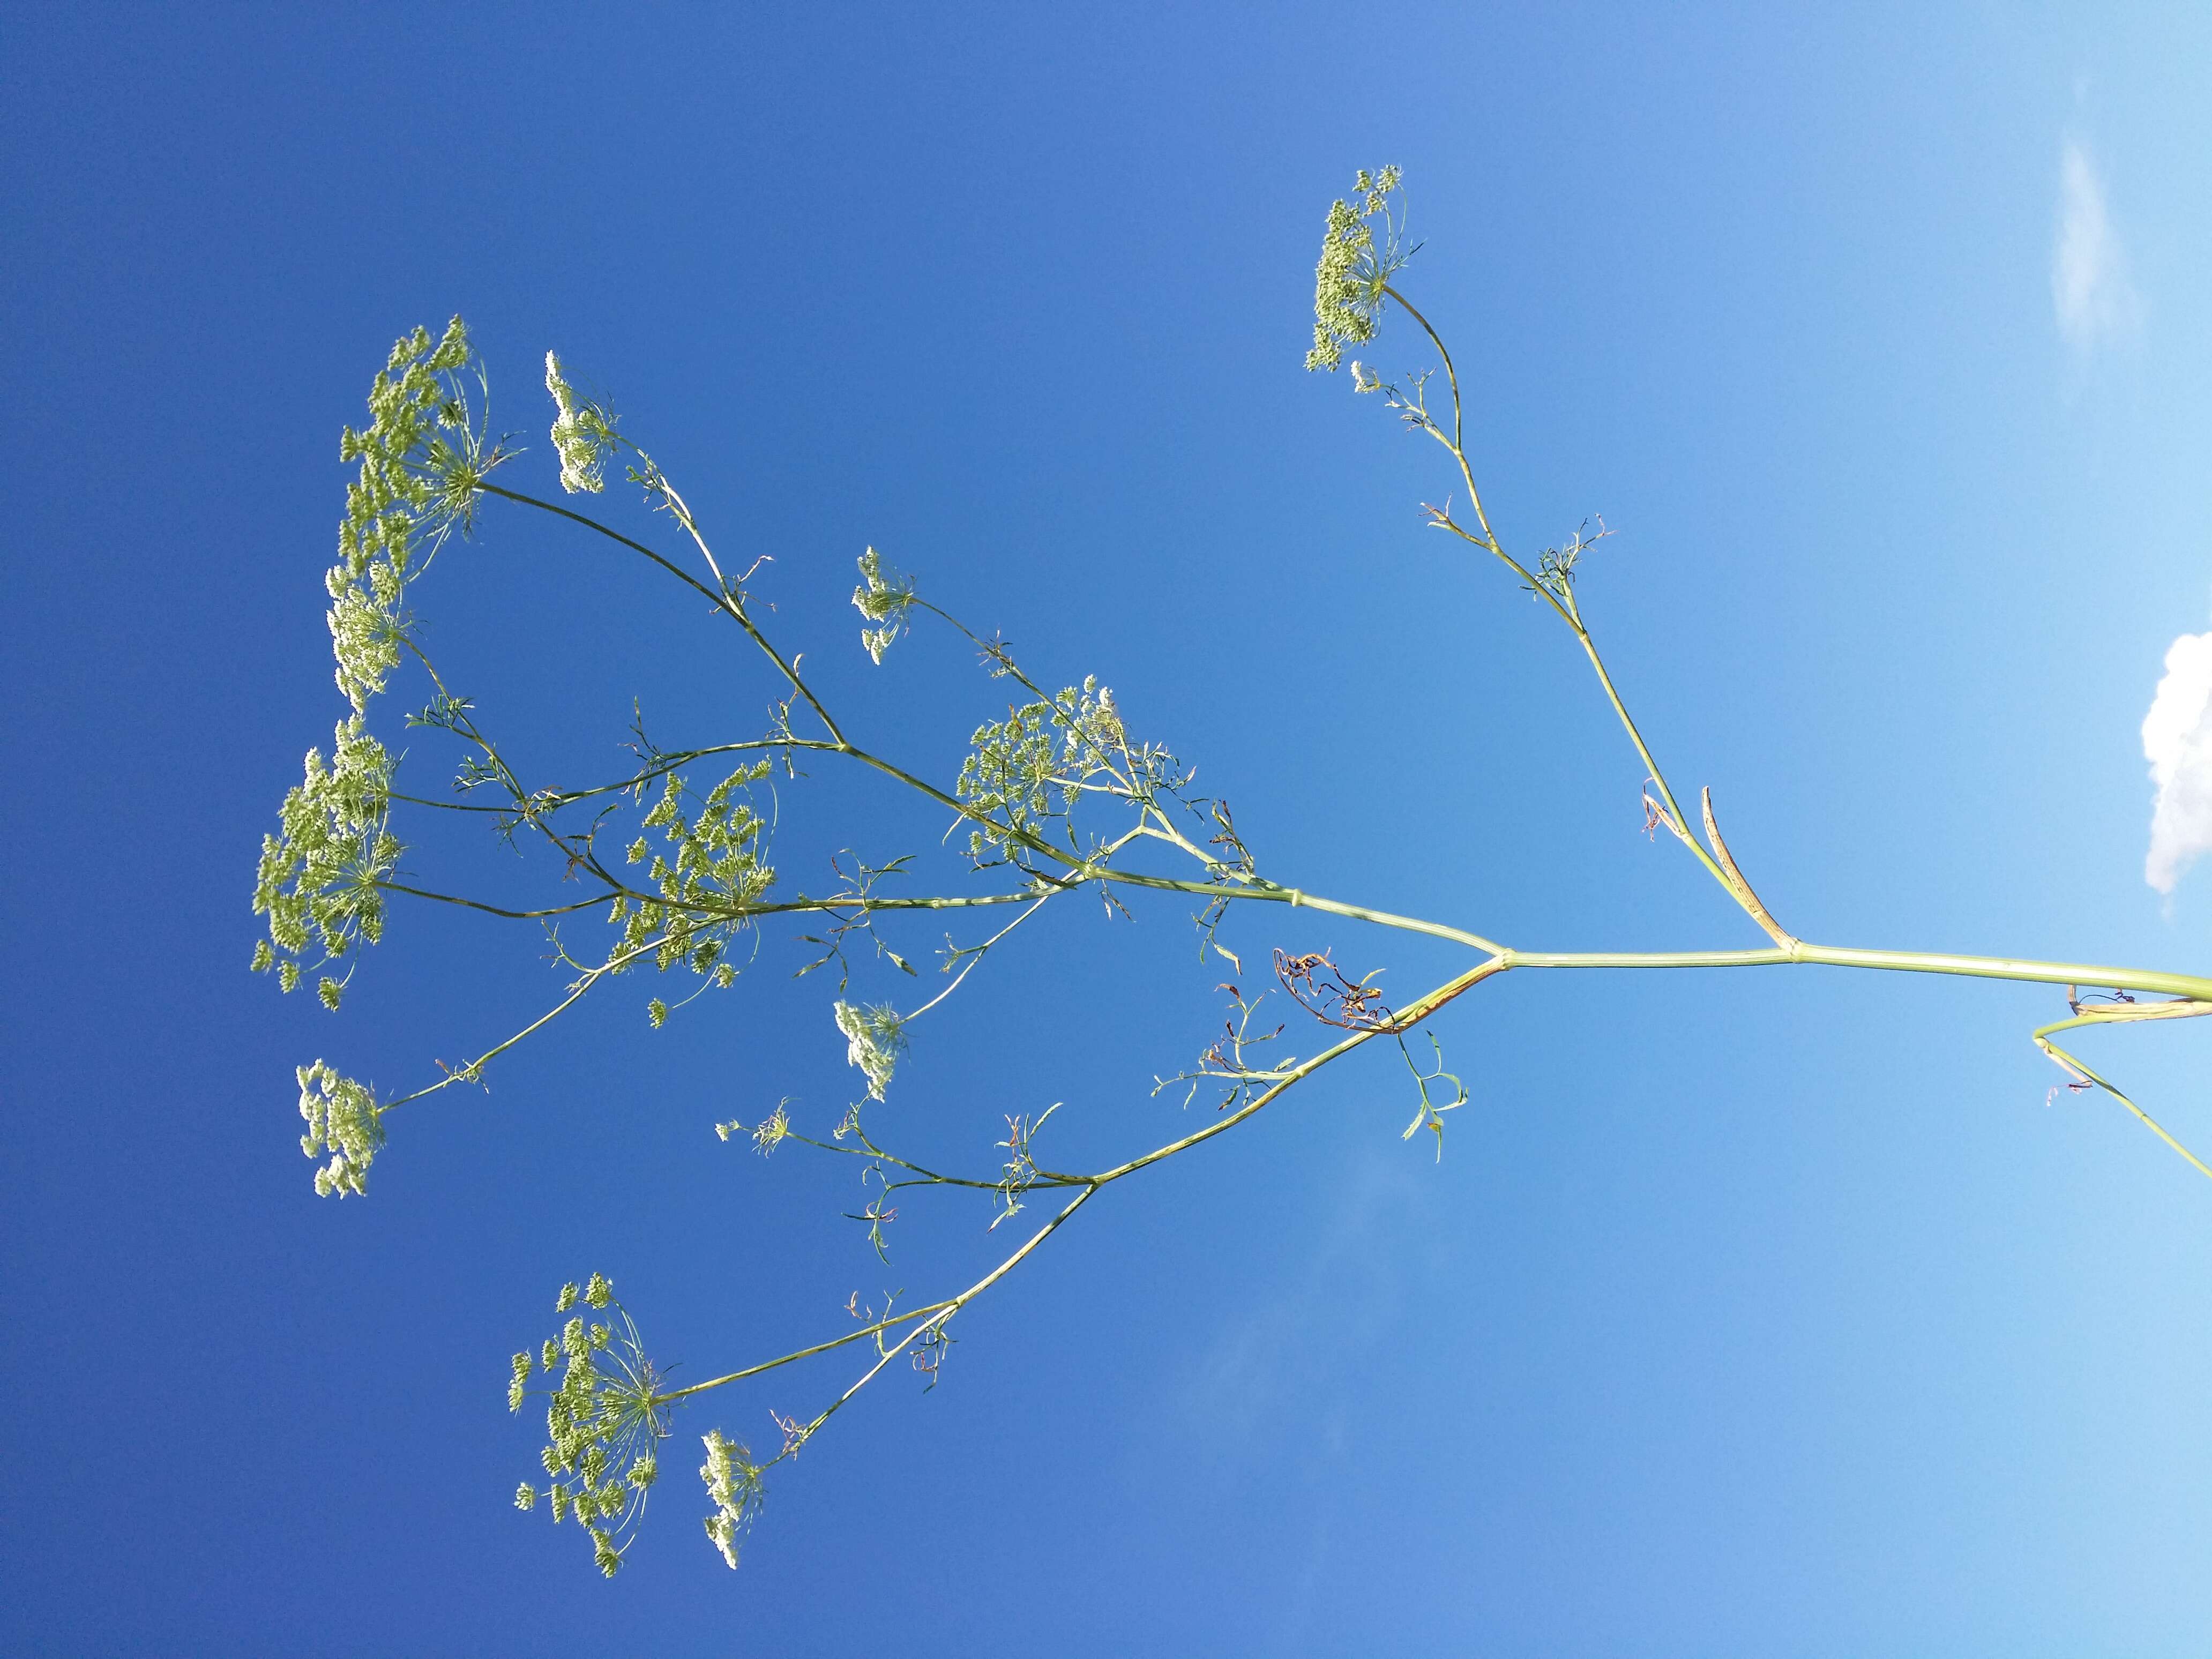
x=669, y=863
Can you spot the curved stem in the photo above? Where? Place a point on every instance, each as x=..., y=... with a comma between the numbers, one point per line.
x=1565, y=610
x=473, y=1071
x=722, y=601
x=1458, y=442
x=933, y=1317
x=1407, y=1018
x=976, y=955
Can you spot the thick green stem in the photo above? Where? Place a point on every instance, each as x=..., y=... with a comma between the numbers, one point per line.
x=2191, y=986
x=1297, y=896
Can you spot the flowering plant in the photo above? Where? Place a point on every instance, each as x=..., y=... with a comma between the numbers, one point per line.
x=1060, y=797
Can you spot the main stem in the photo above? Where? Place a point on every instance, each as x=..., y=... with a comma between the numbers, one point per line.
x=2191, y=987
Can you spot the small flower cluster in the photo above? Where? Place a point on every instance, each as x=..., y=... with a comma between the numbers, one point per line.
x=319, y=875
x=734, y=1488
x=768, y=1134
x=343, y=1120
x=583, y=433
x=884, y=597
x=711, y=875
x=603, y=1422
x=1040, y=751
x=1348, y=283
x=875, y=1037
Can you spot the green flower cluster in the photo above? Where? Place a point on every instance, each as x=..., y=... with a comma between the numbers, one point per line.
x=318, y=881
x=603, y=1423
x=710, y=875
x=1032, y=766
x=422, y=459
x=875, y=1037
x=1348, y=283
x=884, y=597
x=343, y=1120
x=583, y=433
x=734, y=1488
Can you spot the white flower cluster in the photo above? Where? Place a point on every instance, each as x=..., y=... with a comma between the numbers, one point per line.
x=884, y=597
x=583, y=433
x=733, y=1487
x=343, y=1119
x=875, y=1036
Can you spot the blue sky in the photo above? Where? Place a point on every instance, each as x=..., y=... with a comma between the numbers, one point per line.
x=1773, y=1312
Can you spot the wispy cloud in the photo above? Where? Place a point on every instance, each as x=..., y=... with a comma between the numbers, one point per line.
x=2089, y=286
x=1349, y=1284
x=2177, y=739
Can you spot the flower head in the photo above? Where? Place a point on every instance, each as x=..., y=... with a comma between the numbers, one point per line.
x=875, y=1037
x=583, y=433
x=604, y=1420
x=423, y=458
x=343, y=1120
x=1036, y=764
x=884, y=597
x=321, y=875
x=733, y=1487
x=1348, y=283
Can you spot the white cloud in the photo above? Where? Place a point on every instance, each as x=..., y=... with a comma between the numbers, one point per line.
x=2089, y=285
x=2177, y=739
x=1287, y=1353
